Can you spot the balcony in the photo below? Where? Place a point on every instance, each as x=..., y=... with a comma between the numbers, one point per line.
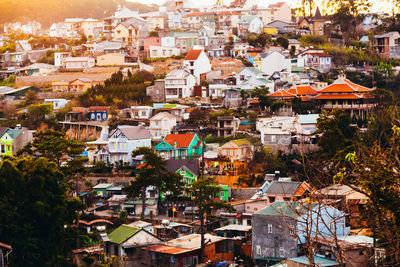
x=349, y=106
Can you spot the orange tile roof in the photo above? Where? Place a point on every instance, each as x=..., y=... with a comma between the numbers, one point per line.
x=359, y=88
x=339, y=96
x=181, y=140
x=168, y=249
x=282, y=93
x=193, y=54
x=345, y=86
x=303, y=90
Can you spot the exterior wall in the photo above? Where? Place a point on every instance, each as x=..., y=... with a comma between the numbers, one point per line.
x=278, y=243
x=87, y=63
x=155, y=23
x=124, y=34
x=275, y=62
x=199, y=66
x=92, y=28
x=98, y=115
x=275, y=139
x=121, y=148
x=151, y=41
x=160, y=128
x=183, y=87
x=157, y=92
x=111, y=59
x=6, y=146
x=163, y=51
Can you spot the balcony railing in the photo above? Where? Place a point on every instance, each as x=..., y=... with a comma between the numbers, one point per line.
x=351, y=106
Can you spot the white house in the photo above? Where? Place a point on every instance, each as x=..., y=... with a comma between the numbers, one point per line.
x=141, y=112
x=271, y=62
x=79, y=62
x=197, y=63
x=122, y=142
x=179, y=84
x=163, y=51
x=315, y=58
x=250, y=75
x=59, y=58
x=57, y=102
x=162, y=124
x=250, y=24
x=217, y=90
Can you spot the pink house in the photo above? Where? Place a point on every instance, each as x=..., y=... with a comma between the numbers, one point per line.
x=151, y=41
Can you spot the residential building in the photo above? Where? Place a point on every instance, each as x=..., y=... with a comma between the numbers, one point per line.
x=126, y=32
x=59, y=58
x=197, y=63
x=150, y=41
x=387, y=45
x=279, y=228
x=315, y=24
x=99, y=113
x=185, y=41
x=12, y=140
x=79, y=62
x=157, y=91
x=185, y=251
x=122, y=142
x=238, y=150
x=227, y=125
x=316, y=59
x=285, y=191
x=180, y=146
x=275, y=130
x=250, y=24
x=141, y=112
x=187, y=168
x=91, y=27
x=278, y=11
x=57, y=102
x=115, y=59
x=127, y=241
x=156, y=23
x=161, y=125
x=77, y=85
x=251, y=76
x=271, y=62
x=282, y=27
x=233, y=98
x=156, y=51
x=179, y=84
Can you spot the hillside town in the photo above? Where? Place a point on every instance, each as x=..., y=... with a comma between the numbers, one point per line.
x=249, y=133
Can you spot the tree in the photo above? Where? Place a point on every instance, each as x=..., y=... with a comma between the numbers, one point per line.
x=199, y=117
x=30, y=97
x=205, y=191
x=34, y=208
x=153, y=173
x=283, y=41
x=37, y=113
x=334, y=131
x=52, y=145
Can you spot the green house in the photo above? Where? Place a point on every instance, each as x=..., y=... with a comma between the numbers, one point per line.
x=187, y=168
x=11, y=140
x=101, y=189
x=180, y=146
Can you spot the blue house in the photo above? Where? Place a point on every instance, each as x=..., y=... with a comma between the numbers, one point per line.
x=99, y=113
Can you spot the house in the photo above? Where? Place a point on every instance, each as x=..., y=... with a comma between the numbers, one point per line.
x=294, y=43
x=355, y=99
x=150, y=41
x=91, y=27
x=126, y=32
x=282, y=26
x=251, y=76
x=227, y=125
x=387, y=45
x=315, y=24
x=279, y=228
x=156, y=51
x=304, y=92
x=316, y=59
x=77, y=85
x=275, y=130
x=239, y=50
x=250, y=24
x=80, y=254
x=233, y=98
x=127, y=241
x=278, y=11
x=155, y=23
x=59, y=58
x=234, y=231
x=271, y=62
x=180, y=146
x=238, y=150
x=161, y=125
x=345, y=199
x=144, y=225
x=141, y=112
x=5, y=251
x=101, y=189
x=57, y=102
x=12, y=140
x=111, y=59
x=185, y=251
x=179, y=84
x=187, y=168
x=285, y=191
x=197, y=63
x=40, y=69
x=106, y=47
x=157, y=91
x=172, y=230
x=122, y=142
x=79, y=62
x=303, y=261
x=99, y=113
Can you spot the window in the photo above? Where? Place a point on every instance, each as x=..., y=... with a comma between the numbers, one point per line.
x=281, y=252
x=271, y=199
x=273, y=138
x=269, y=228
x=249, y=222
x=258, y=248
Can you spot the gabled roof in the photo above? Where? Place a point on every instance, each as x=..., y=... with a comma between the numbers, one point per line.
x=191, y=164
x=283, y=208
x=2, y=131
x=282, y=94
x=239, y=142
x=13, y=133
x=283, y=188
x=302, y=90
x=162, y=115
x=339, y=96
x=181, y=140
x=134, y=132
x=193, y=54
x=122, y=234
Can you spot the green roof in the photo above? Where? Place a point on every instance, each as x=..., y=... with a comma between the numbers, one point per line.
x=283, y=208
x=241, y=142
x=248, y=18
x=13, y=133
x=255, y=70
x=122, y=233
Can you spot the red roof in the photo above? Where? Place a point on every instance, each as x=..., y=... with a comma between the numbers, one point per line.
x=193, y=54
x=168, y=249
x=282, y=94
x=339, y=96
x=95, y=221
x=277, y=5
x=99, y=108
x=5, y=246
x=345, y=86
x=181, y=140
x=303, y=90
x=359, y=88
x=144, y=164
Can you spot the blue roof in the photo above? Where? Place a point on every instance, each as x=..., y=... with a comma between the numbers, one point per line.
x=319, y=261
x=308, y=118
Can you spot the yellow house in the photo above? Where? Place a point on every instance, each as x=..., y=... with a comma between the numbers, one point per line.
x=238, y=150
x=270, y=30
x=125, y=32
x=111, y=59
x=80, y=85
x=61, y=86
x=155, y=23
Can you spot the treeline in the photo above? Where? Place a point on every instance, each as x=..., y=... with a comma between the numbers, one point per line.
x=118, y=90
x=49, y=11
